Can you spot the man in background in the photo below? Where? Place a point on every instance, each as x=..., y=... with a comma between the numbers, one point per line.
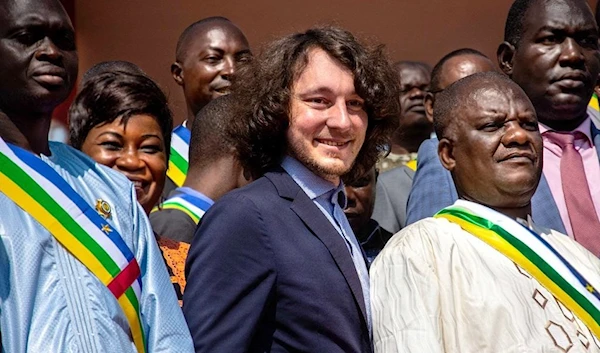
x=214, y=170
x=209, y=52
x=413, y=127
x=432, y=186
x=359, y=208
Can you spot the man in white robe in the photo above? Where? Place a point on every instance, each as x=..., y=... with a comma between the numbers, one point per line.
x=437, y=287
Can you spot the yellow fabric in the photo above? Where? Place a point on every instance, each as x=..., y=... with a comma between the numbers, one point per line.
x=436, y=288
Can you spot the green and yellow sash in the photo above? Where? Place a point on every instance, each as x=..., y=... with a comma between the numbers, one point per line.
x=179, y=159
x=47, y=197
x=535, y=255
x=594, y=103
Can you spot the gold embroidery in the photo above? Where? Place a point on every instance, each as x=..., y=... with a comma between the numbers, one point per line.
x=103, y=208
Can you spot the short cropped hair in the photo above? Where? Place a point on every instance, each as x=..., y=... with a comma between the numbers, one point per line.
x=436, y=73
x=454, y=97
x=112, y=95
x=111, y=66
x=211, y=132
x=180, y=50
x=265, y=88
x=513, y=29
x=406, y=63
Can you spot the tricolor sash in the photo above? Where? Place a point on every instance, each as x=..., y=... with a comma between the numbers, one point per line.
x=594, y=103
x=194, y=207
x=47, y=197
x=179, y=159
x=535, y=255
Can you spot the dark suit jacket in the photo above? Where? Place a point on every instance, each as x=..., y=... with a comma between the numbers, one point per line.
x=433, y=188
x=267, y=272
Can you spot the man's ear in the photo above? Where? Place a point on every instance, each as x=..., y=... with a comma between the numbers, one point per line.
x=506, y=54
x=446, y=154
x=177, y=73
x=428, y=103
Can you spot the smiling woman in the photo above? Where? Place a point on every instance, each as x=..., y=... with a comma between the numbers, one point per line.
x=122, y=120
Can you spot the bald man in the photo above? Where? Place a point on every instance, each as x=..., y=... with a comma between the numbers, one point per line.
x=208, y=54
x=558, y=71
x=480, y=276
x=393, y=188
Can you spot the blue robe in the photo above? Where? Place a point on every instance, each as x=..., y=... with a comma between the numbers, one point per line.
x=50, y=302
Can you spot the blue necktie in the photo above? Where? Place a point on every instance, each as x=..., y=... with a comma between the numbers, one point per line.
x=338, y=200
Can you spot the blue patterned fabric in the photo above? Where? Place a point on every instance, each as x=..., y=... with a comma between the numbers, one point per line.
x=49, y=301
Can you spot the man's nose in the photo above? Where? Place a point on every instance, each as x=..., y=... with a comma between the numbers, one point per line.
x=339, y=117
x=350, y=197
x=571, y=52
x=229, y=68
x=48, y=50
x=515, y=134
x=417, y=92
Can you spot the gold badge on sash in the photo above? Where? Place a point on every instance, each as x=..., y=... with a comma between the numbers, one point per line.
x=103, y=208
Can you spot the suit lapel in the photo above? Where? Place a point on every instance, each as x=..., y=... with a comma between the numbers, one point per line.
x=320, y=226
x=543, y=208
x=595, y=131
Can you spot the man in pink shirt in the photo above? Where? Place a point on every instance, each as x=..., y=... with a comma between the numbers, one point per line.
x=551, y=51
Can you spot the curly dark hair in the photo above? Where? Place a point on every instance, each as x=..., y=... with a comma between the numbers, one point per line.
x=112, y=95
x=264, y=89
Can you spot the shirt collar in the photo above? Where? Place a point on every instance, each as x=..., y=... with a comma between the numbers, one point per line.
x=313, y=185
x=584, y=128
x=195, y=193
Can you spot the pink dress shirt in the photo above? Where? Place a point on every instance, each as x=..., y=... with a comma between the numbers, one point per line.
x=587, y=150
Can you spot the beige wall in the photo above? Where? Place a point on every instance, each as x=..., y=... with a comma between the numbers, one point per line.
x=145, y=31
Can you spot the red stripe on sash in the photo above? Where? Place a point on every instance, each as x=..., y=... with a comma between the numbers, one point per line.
x=124, y=279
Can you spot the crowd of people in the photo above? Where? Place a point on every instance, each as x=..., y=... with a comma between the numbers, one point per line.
x=316, y=198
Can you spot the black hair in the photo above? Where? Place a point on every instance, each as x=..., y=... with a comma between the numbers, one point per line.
x=436, y=73
x=211, y=138
x=182, y=42
x=265, y=89
x=513, y=30
x=113, y=95
x=111, y=66
x=404, y=63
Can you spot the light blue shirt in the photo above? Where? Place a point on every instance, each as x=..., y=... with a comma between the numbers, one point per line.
x=50, y=302
x=319, y=190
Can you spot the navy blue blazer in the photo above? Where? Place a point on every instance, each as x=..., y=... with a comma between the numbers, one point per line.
x=433, y=188
x=267, y=272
